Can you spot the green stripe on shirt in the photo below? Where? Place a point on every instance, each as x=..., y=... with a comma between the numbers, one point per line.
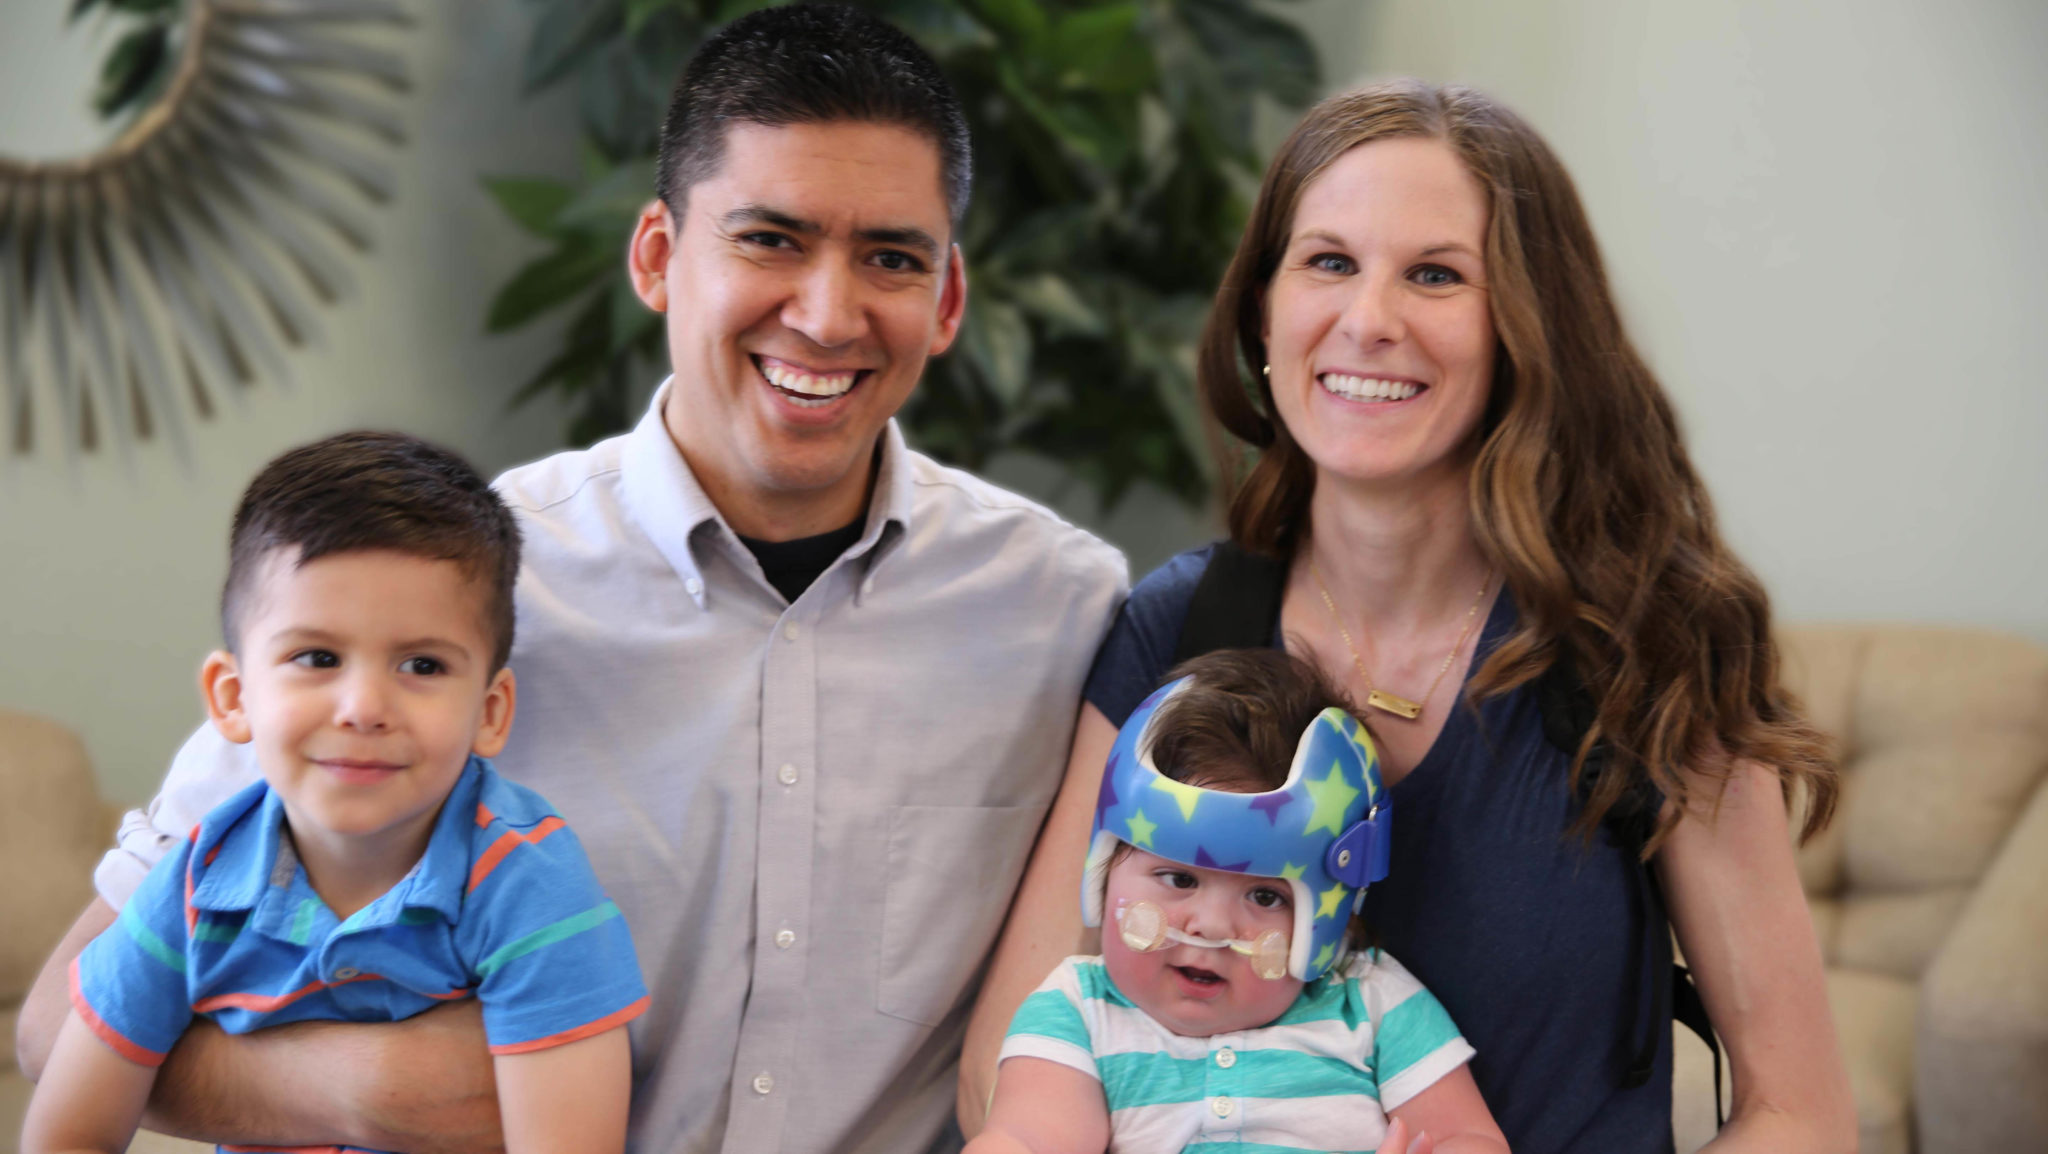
x=568, y=927
x=1048, y=1014
x=1409, y=1033
x=145, y=937
x=1155, y=1079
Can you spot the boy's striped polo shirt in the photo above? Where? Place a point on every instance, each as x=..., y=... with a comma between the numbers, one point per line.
x=503, y=906
x=1356, y=1043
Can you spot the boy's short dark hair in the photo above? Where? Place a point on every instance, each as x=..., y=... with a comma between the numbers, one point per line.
x=808, y=64
x=1237, y=726
x=364, y=490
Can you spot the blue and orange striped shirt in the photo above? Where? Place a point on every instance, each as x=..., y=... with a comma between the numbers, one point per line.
x=503, y=906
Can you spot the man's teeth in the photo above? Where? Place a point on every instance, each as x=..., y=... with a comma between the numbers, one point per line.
x=1368, y=389
x=813, y=389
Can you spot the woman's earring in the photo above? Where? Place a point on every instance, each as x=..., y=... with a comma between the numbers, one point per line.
x=1267, y=371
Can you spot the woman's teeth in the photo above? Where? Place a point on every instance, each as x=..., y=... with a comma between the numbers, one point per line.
x=1368, y=389
x=809, y=390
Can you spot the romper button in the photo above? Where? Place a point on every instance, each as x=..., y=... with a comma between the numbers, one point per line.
x=763, y=1083
x=345, y=973
x=1226, y=1057
x=1222, y=1106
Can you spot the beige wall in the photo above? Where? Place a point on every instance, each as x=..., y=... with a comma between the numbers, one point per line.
x=1824, y=223
x=109, y=575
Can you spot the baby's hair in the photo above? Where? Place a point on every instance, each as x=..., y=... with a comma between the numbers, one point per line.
x=375, y=491
x=1236, y=727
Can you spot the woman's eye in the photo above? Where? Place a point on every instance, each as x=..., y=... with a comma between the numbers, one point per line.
x=316, y=659
x=422, y=666
x=1333, y=263
x=1269, y=899
x=1435, y=276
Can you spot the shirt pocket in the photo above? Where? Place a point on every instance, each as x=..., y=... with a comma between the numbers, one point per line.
x=952, y=872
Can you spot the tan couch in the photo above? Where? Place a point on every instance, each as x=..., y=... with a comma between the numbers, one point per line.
x=53, y=828
x=1930, y=890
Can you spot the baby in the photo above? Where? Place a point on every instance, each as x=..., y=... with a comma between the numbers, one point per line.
x=380, y=867
x=1240, y=819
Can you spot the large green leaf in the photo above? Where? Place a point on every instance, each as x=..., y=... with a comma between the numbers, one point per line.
x=549, y=282
x=531, y=201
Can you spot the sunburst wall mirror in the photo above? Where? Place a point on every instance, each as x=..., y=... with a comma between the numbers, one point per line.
x=187, y=258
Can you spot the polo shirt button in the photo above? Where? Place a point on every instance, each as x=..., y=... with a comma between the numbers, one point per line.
x=786, y=775
x=1226, y=1057
x=790, y=631
x=694, y=586
x=784, y=939
x=1222, y=1106
x=345, y=973
x=763, y=1083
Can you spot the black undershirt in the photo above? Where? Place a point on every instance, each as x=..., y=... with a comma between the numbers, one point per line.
x=791, y=566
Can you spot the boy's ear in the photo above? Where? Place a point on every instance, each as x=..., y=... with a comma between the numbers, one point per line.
x=220, y=683
x=494, y=725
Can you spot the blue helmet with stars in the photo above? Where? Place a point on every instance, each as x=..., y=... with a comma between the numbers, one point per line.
x=1325, y=832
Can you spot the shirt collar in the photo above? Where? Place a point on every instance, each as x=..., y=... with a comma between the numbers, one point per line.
x=244, y=866
x=664, y=496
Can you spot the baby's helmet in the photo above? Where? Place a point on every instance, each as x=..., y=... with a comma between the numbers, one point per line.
x=1326, y=831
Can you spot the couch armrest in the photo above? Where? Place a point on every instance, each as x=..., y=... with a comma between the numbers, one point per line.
x=1981, y=1058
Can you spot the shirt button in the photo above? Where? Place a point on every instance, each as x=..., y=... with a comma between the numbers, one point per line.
x=763, y=1083
x=1226, y=1057
x=786, y=775
x=694, y=586
x=789, y=631
x=784, y=939
x=1222, y=1106
x=345, y=973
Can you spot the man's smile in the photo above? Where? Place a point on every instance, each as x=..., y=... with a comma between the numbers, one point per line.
x=807, y=386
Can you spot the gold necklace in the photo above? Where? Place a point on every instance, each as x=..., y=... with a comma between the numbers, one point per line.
x=1380, y=699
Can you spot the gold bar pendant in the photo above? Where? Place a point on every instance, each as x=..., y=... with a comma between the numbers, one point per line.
x=1398, y=706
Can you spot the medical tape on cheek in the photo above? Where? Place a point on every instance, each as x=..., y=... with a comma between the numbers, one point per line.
x=1142, y=926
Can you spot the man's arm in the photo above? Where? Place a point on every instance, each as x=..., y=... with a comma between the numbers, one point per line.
x=424, y=1083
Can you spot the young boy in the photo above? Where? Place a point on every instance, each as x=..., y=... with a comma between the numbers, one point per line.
x=1241, y=817
x=380, y=867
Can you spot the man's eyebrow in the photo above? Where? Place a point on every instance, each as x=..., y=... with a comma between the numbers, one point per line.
x=747, y=214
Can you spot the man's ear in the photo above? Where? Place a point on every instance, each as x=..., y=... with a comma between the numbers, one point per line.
x=494, y=724
x=220, y=683
x=952, y=301
x=655, y=236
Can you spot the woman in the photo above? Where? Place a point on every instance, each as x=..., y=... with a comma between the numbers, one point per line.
x=1465, y=476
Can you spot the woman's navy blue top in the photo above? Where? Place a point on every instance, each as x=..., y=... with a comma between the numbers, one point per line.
x=1533, y=940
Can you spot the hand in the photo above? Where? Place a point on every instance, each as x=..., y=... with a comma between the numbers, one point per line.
x=1397, y=1140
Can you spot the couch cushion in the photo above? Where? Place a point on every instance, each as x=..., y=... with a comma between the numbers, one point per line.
x=1874, y=1019
x=52, y=831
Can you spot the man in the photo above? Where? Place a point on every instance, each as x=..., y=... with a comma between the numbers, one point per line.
x=802, y=692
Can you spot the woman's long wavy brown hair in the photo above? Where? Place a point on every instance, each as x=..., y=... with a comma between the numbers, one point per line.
x=1582, y=493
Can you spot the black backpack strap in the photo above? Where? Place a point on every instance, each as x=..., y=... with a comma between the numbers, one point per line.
x=1568, y=711
x=1235, y=603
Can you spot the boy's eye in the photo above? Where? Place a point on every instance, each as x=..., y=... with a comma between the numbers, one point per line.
x=1266, y=897
x=316, y=659
x=422, y=666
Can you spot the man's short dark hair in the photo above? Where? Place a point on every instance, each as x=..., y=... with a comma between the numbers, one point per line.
x=808, y=64
x=376, y=491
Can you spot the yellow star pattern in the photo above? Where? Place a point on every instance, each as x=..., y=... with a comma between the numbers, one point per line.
x=1324, y=955
x=1187, y=795
x=1332, y=797
x=1291, y=872
x=1332, y=898
x=1141, y=830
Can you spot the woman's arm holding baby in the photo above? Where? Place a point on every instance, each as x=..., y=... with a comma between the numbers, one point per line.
x=1042, y=1107
x=1448, y=1118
